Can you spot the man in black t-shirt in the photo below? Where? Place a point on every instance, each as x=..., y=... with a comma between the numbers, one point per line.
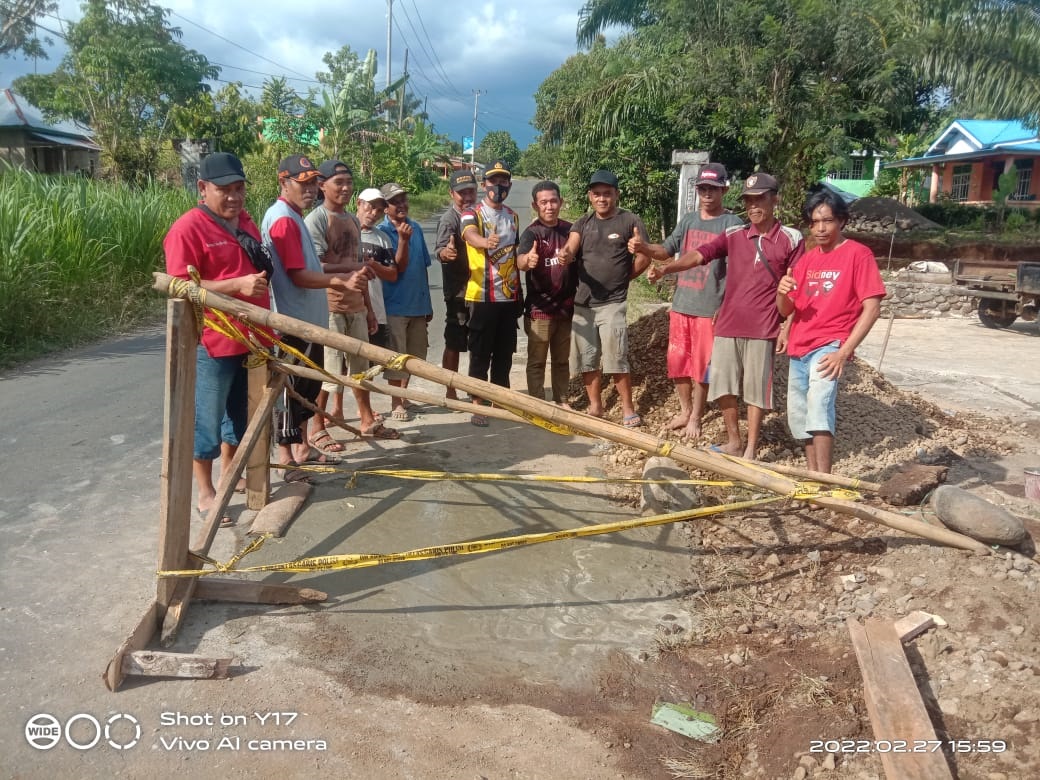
x=599, y=243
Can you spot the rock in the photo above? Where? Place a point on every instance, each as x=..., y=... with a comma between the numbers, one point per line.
x=918, y=582
x=912, y=483
x=672, y=497
x=1027, y=716
x=972, y=516
x=1022, y=564
x=743, y=628
x=800, y=773
x=814, y=556
x=1016, y=630
x=773, y=560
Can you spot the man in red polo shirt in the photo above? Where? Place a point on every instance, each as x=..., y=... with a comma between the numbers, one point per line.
x=748, y=324
x=207, y=238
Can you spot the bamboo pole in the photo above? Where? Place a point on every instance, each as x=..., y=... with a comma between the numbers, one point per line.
x=703, y=459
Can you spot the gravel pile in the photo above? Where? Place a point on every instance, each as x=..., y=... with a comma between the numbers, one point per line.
x=879, y=426
x=882, y=215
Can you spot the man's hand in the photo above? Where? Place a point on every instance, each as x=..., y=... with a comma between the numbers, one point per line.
x=253, y=285
x=528, y=261
x=656, y=273
x=356, y=281
x=492, y=241
x=405, y=231
x=832, y=365
x=786, y=285
x=448, y=252
x=373, y=323
x=636, y=244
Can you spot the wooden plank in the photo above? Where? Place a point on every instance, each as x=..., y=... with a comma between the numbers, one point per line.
x=282, y=510
x=897, y=713
x=158, y=664
x=258, y=474
x=138, y=640
x=177, y=610
x=249, y=592
x=913, y=625
x=178, y=443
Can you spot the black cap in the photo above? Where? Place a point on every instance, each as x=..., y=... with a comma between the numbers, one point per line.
x=758, y=183
x=331, y=168
x=603, y=177
x=714, y=174
x=462, y=180
x=297, y=167
x=221, y=168
x=497, y=168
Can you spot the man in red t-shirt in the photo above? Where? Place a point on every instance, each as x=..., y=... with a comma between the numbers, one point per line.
x=206, y=238
x=835, y=293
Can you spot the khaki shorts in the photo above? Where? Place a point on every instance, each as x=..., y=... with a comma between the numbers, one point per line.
x=744, y=368
x=408, y=335
x=355, y=326
x=602, y=332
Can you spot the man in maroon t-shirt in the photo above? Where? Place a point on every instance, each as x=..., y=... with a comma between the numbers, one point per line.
x=549, y=303
x=205, y=238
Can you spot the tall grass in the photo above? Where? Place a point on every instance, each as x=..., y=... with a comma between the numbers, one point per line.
x=76, y=258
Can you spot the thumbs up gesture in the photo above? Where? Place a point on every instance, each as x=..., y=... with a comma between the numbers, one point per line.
x=492, y=241
x=636, y=244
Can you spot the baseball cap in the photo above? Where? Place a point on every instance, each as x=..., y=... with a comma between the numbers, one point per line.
x=603, y=177
x=758, y=183
x=371, y=194
x=221, y=168
x=714, y=174
x=392, y=190
x=497, y=168
x=330, y=168
x=462, y=180
x=298, y=168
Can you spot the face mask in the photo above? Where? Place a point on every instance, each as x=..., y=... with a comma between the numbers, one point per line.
x=497, y=192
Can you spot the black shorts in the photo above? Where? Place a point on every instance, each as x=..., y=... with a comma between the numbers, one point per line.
x=456, y=332
x=381, y=338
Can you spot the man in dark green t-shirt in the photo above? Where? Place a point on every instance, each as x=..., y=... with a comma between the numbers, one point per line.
x=599, y=243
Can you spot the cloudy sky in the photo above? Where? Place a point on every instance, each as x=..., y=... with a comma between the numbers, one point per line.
x=506, y=49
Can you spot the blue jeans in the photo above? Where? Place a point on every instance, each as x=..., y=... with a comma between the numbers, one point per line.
x=221, y=402
x=811, y=398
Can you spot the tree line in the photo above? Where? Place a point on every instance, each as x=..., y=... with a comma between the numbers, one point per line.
x=791, y=87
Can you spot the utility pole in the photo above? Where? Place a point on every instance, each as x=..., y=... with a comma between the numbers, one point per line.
x=389, y=42
x=476, y=99
x=404, y=86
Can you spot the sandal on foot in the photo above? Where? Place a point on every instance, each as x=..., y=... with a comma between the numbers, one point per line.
x=297, y=475
x=632, y=421
x=401, y=414
x=479, y=420
x=380, y=431
x=323, y=441
x=318, y=458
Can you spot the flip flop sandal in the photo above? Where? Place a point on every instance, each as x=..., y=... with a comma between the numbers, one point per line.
x=225, y=522
x=297, y=475
x=402, y=415
x=317, y=458
x=378, y=418
x=632, y=421
x=323, y=441
x=380, y=431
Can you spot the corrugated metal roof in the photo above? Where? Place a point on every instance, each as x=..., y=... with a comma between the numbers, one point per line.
x=16, y=111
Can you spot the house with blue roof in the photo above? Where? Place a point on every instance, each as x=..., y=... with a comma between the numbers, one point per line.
x=29, y=141
x=968, y=157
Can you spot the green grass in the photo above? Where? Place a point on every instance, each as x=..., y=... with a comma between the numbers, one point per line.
x=76, y=258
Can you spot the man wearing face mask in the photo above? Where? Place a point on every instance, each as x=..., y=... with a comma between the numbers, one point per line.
x=490, y=231
x=451, y=251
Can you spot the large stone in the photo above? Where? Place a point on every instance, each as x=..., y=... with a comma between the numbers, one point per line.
x=660, y=499
x=975, y=517
x=910, y=485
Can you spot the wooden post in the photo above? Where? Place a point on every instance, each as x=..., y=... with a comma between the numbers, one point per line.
x=258, y=473
x=178, y=445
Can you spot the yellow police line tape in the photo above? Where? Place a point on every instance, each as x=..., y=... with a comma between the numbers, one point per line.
x=364, y=560
x=439, y=476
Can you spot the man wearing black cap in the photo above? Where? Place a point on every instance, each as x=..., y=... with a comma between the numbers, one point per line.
x=336, y=234
x=490, y=230
x=698, y=295
x=208, y=238
x=297, y=286
x=451, y=251
x=758, y=256
x=605, y=267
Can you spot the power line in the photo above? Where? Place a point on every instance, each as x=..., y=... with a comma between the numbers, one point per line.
x=433, y=49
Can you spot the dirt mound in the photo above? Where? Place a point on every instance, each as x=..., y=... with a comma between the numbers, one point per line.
x=883, y=215
x=879, y=426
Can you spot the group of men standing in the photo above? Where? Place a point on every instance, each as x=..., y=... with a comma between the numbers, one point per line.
x=365, y=275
